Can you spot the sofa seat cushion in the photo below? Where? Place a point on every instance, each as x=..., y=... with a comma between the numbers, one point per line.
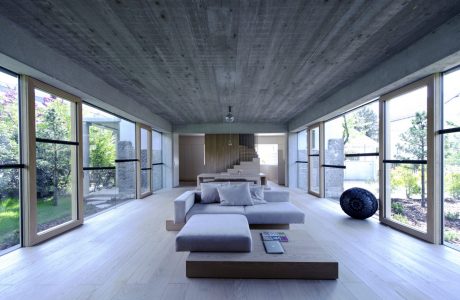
x=213, y=208
x=274, y=213
x=215, y=233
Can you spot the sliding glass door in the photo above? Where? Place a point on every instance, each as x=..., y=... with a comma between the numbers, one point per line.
x=407, y=168
x=10, y=163
x=54, y=161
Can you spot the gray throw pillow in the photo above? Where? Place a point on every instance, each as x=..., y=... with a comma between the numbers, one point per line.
x=257, y=194
x=209, y=192
x=235, y=194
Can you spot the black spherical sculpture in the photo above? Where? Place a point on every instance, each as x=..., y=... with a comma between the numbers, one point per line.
x=358, y=203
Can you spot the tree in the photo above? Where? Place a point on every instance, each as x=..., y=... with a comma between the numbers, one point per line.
x=367, y=123
x=362, y=121
x=53, y=160
x=9, y=138
x=414, y=147
x=102, y=154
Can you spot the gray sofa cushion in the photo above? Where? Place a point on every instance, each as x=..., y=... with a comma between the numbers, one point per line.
x=215, y=233
x=213, y=208
x=257, y=195
x=274, y=213
x=209, y=193
x=235, y=194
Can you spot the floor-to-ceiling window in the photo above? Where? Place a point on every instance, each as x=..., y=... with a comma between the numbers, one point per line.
x=55, y=138
x=157, y=160
x=109, y=160
x=451, y=157
x=405, y=161
x=314, y=160
x=302, y=160
x=10, y=162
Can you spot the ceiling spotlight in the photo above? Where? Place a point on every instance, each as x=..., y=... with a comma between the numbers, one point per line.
x=229, y=118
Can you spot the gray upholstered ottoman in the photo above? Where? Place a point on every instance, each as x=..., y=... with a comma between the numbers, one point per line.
x=215, y=233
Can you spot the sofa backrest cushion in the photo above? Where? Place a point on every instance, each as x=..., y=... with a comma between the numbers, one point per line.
x=257, y=194
x=235, y=194
x=209, y=192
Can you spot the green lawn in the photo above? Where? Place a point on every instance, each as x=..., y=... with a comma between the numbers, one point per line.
x=47, y=212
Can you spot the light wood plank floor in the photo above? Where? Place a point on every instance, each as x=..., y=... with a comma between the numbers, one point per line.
x=126, y=253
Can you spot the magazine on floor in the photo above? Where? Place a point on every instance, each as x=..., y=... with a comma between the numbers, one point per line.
x=274, y=236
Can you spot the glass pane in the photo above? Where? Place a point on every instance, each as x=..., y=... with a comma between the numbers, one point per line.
x=451, y=99
x=157, y=177
x=144, y=148
x=314, y=160
x=407, y=126
x=333, y=182
x=101, y=142
x=302, y=174
x=156, y=147
x=101, y=191
x=145, y=180
x=302, y=145
x=126, y=181
x=407, y=185
x=363, y=172
x=9, y=120
x=54, y=184
x=126, y=148
x=334, y=155
x=53, y=117
x=451, y=150
x=361, y=129
x=314, y=140
x=452, y=188
x=9, y=208
x=314, y=174
x=100, y=134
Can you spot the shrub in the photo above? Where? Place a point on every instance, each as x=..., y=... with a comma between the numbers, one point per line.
x=397, y=208
x=453, y=185
x=451, y=236
x=400, y=218
x=452, y=216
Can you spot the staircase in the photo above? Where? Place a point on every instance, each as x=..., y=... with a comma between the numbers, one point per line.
x=246, y=167
x=249, y=162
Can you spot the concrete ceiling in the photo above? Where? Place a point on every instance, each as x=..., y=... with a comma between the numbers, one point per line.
x=188, y=60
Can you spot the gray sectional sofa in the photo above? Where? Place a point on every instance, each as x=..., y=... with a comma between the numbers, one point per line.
x=277, y=210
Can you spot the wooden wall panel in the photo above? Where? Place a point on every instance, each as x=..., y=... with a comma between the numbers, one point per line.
x=219, y=156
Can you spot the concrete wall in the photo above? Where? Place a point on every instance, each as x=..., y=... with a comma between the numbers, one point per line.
x=276, y=173
x=191, y=157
